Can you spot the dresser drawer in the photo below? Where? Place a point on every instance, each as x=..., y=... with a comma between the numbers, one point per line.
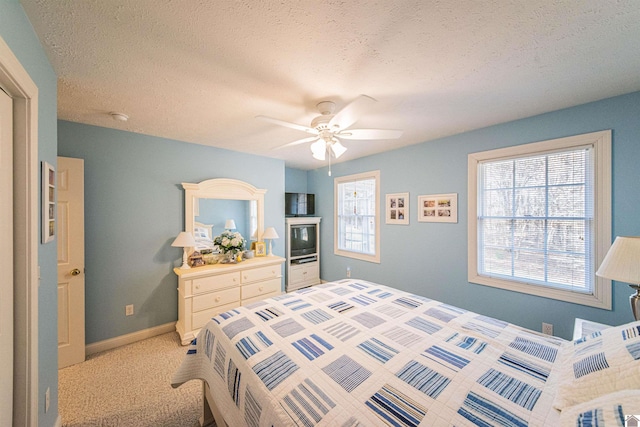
x=211, y=283
x=201, y=318
x=260, y=298
x=262, y=273
x=262, y=288
x=215, y=298
x=302, y=273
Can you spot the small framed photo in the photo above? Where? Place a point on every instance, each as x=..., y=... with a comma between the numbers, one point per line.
x=397, y=209
x=196, y=259
x=48, y=202
x=261, y=249
x=438, y=208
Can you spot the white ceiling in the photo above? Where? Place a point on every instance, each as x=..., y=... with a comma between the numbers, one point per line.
x=200, y=71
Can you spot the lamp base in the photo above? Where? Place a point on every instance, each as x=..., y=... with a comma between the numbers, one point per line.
x=635, y=302
x=185, y=260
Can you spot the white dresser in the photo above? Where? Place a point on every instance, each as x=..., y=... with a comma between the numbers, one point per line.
x=206, y=291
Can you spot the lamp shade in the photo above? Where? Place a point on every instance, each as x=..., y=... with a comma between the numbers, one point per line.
x=622, y=262
x=184, y=240
x=270, y=233
x=230, y=224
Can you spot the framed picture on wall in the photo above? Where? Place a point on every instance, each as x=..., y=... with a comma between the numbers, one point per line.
x=48, y=203
x=438, y=208
x=397, y=208
x=261, y=249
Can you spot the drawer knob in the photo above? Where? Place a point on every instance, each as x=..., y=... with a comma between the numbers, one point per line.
x=197, y=286
x=261, y=288
x=217, y=299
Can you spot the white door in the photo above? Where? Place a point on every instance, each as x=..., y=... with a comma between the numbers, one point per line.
x=70, y=215
x=6, y=259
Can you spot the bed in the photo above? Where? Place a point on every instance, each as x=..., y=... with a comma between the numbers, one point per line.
x=202, y=233
x=356, y=353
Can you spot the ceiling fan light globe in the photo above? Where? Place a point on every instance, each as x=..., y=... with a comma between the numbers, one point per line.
x=318, y=149
x=338, y=149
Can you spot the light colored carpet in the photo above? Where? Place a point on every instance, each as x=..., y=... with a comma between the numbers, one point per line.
x=130, y=386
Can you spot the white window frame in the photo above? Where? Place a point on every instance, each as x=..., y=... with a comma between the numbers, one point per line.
x=352, y=254
x=601, y=143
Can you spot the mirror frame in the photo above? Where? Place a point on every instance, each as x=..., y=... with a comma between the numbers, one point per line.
x=221, y=188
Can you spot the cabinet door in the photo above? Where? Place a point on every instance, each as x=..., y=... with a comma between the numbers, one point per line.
x=305, y=272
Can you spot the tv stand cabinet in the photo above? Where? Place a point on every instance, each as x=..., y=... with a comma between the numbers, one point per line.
x=302, y=271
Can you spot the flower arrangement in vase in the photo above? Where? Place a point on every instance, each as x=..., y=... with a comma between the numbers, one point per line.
x=230, y=243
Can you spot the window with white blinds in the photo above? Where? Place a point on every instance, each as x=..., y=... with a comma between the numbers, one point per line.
x=357, y=225
x=537, y=225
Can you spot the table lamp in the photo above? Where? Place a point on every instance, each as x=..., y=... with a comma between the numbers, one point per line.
x=622, y=263
x=230, y=225
x=270, y=233
x=184, y=240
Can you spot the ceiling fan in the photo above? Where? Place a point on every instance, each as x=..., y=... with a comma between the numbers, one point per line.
x=328, y=128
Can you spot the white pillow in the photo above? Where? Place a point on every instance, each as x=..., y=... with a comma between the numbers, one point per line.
x=599, y=364
x=201, y=233
x=608, y=410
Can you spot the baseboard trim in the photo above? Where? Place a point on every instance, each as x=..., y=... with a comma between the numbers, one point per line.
x=112, y=343
x=58, y=421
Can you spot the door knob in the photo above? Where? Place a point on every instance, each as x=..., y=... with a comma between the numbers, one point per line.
x=75, y=272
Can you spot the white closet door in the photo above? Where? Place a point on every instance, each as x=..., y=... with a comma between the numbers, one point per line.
x=70, y=216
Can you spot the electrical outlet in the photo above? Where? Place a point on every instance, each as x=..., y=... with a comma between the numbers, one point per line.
x=47, y=399
x=348, y=272
x=128, y=310
x=547, y=328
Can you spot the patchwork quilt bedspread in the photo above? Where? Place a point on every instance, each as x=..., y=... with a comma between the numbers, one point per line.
x=358, y=353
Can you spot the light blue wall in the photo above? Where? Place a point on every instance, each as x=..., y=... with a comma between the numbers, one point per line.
x=431, y=259
x=295, y=180
x=134, y=208
x=16, y=31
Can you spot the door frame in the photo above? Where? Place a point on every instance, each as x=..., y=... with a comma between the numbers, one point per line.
x=17, y=82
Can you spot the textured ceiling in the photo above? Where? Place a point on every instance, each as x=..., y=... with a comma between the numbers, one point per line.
x=200, y=71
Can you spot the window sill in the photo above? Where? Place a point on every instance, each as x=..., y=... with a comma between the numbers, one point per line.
x=599, y=300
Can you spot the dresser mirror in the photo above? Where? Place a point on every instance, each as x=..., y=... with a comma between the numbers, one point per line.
x=209, y=204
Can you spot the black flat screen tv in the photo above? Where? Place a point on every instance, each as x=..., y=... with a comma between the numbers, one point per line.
x=299, y=204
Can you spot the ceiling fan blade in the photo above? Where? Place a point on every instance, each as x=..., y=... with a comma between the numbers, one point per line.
x=297, y=142
x=288, y=124
x=370, y=134
x=352, y=112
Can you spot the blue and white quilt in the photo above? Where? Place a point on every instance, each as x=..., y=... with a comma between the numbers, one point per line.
x=355, y=353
